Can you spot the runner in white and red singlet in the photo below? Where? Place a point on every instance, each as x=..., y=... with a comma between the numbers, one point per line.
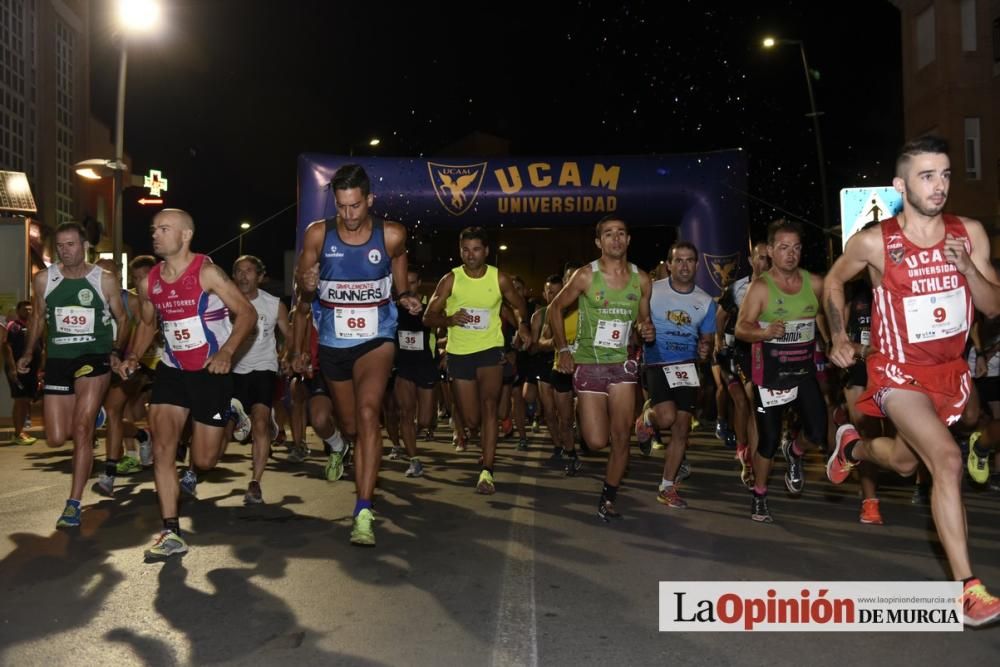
x=928, y=270
x=193, y=299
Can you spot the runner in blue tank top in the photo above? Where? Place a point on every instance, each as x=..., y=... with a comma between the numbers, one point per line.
x=351, y=264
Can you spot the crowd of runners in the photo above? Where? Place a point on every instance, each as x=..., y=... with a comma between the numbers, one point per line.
x=891, y=360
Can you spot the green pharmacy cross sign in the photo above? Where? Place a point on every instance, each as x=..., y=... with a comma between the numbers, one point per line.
x=155, y=182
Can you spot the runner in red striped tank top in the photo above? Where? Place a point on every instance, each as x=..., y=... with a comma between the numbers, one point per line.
x=928, y=269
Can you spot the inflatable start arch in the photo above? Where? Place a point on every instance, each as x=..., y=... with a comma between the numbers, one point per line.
x=699, y=194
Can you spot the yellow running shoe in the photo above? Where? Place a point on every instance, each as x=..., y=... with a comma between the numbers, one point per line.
x=485, y=484
x=362, y=534
x=978, y=466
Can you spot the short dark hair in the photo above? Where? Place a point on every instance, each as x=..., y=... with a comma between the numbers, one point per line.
x=142, y=262
x=682, y=244
x=928, y=143
x=351, y=176
x=782, y=225
x=473, y=233
x=608, y=218
x=253, y=259
x=72, y=226
x=22, y=304
x=555, y=279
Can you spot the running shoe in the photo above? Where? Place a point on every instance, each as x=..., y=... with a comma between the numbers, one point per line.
x=980, y=607
x=362, y=533
x=683, y=472
x=522, y=445
x=485, y=484
x=395, y=453
x=459, y=442
x=334, y=466
x=253, y=496
x=759, y=511
x=721, y=430
x=921, y=495
x=24, y=440
x=129, y=465
x=746, y=469
x=101, y=418
x=644, y=432
x=429, y=435
x=167, y=544
x=104, y=486
x=606, y=510
x=189, y=483
x=146, y=452
x=978, y=466
x=573, y=465
x=298, y=453
x=838, y=468
x=70, y=517
x=242, y=429
x=670, y=498
x=994, y=484
x=658, y=444
x=557, y=457
x=416, y=468
x=870, y=513
x=794, y=479
x=535, y=428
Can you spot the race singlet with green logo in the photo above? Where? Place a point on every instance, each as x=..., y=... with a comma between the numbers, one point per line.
x=78, y=317
x=481, y=298
x=606, y=318
x=782, y=363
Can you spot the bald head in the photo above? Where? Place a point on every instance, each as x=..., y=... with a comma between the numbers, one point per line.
x=182, y=218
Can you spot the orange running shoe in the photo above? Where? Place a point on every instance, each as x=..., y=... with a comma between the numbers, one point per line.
x=981, y=608
x=837, y=466
x=870, y=513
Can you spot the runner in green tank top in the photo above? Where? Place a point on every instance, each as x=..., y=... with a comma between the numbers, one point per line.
x=613, y=297
x=76, y=300
x=467, y=301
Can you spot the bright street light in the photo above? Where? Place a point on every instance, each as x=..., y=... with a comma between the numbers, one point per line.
x=138, y=15
x=768, y=42
x=375, y=141
x=244, y=226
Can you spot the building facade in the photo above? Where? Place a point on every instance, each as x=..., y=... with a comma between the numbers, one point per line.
x=45, y=98
x=951, y=87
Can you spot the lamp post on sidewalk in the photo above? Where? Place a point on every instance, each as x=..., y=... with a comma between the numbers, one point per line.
x=244, y=226
x=769, y=43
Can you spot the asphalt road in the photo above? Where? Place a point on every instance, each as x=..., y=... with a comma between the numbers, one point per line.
x=529, y=576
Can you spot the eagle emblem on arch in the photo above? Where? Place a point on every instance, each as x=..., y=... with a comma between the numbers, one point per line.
x=456, y=185
x=722, y=268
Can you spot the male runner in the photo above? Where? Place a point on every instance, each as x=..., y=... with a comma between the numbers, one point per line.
x=929, y=269
x=76, y=301
x=734, y=361
x=351, y=262
x=192, y=299
x=778, y=319
x=684, y=317
x=23, y=388
x=613, y=297
x=256, y=369
x=467, y=301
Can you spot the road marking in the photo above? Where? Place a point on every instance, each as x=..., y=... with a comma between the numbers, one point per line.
x=516, y=640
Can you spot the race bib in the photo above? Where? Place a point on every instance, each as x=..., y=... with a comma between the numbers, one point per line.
x=796, y=331
x=612, y=333
x=866, y=337
x=772, y=397
x=411, y=340
x=935, y=316
x=355, y=322
x=186, y=334
x=74, y=320
x=681, y=375
x=480, y=318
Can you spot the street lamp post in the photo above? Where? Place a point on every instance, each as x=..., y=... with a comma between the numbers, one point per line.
x=244, y=226
x=371, y=143
x=133, y=16
x=768, y=43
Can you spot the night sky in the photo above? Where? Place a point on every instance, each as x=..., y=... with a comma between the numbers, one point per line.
x=230, y=92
